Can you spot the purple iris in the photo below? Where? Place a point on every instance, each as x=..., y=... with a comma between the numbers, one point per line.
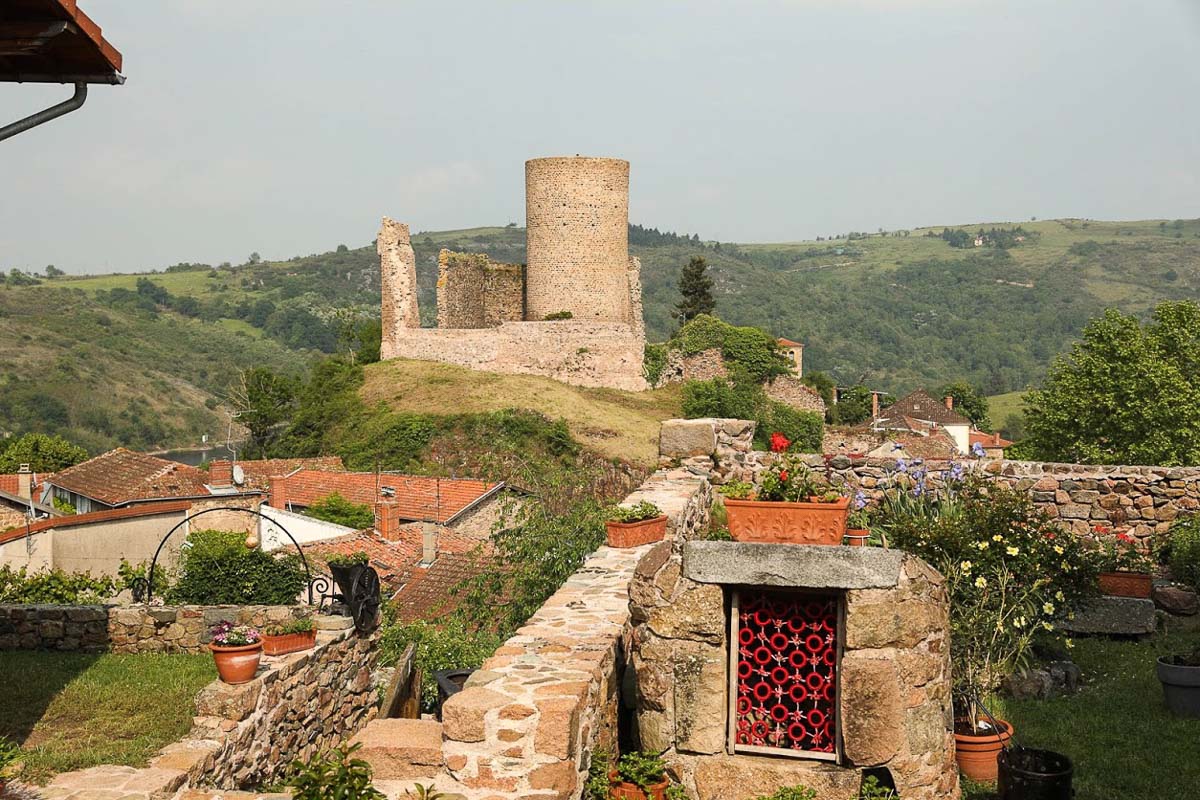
x=977, y=450
x=860, y=500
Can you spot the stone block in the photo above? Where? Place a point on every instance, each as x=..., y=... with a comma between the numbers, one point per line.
x=327, y=622
x=229, y=702
x=698, y=614
x=557, y=726
x=463, y=714
x=873, y=721
x=682, y=438
x=890, y=623
x=1176, y=600
x=743, y=777
x=701, y=705
x=400, y=749
x=789, y=565
x=1114, y=616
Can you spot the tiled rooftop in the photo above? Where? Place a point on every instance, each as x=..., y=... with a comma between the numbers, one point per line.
x=415, y=497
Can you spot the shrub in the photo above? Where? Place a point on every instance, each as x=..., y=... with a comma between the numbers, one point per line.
x=217, y=568
x=42, y=452
x=333, y=776
x=641, y=769
x=54, y=587
x=790, y=793
x=1010, y=571
x=752, y=349
x=340, y=511
x=805, y=429
x=557, y=315
x=1185, y=550
x=451, y=645
x=347, y=559
x=298, y=625
x=653, y=362
x=10, y=757
x=743, y=398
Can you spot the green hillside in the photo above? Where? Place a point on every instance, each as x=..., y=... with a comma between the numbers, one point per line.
x=894, y=310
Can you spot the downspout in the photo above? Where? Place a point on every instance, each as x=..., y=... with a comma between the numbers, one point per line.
x=54, y=112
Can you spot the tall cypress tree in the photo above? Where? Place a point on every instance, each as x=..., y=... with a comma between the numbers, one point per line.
x=696, y=288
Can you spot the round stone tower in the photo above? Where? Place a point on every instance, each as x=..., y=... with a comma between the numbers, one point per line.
x=577, y=223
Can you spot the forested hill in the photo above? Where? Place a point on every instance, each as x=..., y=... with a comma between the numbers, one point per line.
x=894, y=310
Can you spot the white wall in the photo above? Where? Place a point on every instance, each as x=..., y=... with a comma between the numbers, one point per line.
x=303, y=529
x=36, y=553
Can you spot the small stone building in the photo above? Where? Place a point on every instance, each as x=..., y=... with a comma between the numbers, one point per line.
x=758, y=666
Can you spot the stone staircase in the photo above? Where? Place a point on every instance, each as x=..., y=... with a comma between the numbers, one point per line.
x=401, y=749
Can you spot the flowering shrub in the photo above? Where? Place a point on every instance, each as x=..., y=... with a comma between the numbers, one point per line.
x=1120, y=553
x=1010, y=572
x=226, y=634
x=790, y=480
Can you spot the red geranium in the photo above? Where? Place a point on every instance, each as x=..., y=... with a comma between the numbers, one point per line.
x=779, y=442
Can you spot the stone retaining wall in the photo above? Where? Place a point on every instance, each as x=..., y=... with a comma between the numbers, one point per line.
x=528, y=721
x=1144, y=500
x=298, y=705
x=128, y=629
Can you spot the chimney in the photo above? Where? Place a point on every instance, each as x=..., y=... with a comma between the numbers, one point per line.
x=220, y=473
x=950, y=402
x=874, y=405
x=276, y=492
x=25, y=482
x=429, y=537
x=387, y=522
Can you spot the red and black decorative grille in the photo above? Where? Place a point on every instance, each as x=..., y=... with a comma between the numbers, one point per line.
x=787, y=651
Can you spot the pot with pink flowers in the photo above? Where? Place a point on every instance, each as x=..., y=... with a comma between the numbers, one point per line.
x=237, y=650
x=1124, y=568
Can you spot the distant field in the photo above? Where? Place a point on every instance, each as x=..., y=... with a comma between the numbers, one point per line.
x=1000, y=406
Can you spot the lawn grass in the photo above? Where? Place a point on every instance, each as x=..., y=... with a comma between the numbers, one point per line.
x=73, y=710
x=1116, y=729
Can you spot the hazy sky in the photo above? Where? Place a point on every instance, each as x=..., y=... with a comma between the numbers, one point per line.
x=291, y=127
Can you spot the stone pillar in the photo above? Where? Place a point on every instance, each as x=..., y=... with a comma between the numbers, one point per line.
x=398, y=284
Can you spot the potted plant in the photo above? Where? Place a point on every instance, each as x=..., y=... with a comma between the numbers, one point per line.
x=237, y=651
x=633, y=526
x=639, y=776
x=10, y=761
x=345, y=569
x=858, y=523
x=1010, y=575
x=1180, y=678
x=789, y=506
x=1124, y=569
x=289, y=637
x=1025, y=773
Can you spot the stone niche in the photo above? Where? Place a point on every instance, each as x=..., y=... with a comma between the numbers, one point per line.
x=840, y=668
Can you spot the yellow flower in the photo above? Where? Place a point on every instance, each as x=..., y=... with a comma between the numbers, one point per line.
x=1012, y=551
x=1058, y=549
x=1019, y=622
x=981, y=582
x=982, y=545
x=1048, y=608
x=1069, y=643
x=997, y=538
x=1059, y=596
x=1047, y=626
x=965, y=567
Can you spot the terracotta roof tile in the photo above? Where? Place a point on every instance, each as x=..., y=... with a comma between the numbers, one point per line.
x=415, y=497
x=919, y=405
x=122, y=476
x=989, y=439
x=8, y=483
x=259, y=472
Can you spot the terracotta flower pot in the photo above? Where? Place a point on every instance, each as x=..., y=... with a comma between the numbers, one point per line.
x=636, y=534
x=284, y=643
x=788, y=523
x=976, y=754
x=237, y=664
x=1126, y=584
x=620, y=790
x=857, y=537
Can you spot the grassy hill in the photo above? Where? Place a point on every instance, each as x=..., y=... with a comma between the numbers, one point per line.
x=894, y=310
x=613, y=423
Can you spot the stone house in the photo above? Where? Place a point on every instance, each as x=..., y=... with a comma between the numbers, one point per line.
x=795, y=354
x=918, y=413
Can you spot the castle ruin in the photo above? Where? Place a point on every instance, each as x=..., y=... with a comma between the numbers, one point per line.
x=572, y=313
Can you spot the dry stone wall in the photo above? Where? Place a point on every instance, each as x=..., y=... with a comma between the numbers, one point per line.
x=128, y=629
x=789, y=390
x=475, y=292
x=571, y=351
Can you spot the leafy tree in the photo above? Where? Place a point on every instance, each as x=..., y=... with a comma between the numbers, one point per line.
x=53, y=271
x=1128, y=392
x=340, y=511
x=969, y=402
x=853, y=406
x=696, y=288
x=264, y=400
x=42, y=452
x=254, y=258
x=216, y=568
x=822, y=383
x=154, y=292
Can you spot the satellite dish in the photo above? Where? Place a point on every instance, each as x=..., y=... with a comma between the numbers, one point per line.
x=239, y=474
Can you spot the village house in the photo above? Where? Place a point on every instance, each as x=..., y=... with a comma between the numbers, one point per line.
x=918, y=413
x=795, y=354
x=993, y=444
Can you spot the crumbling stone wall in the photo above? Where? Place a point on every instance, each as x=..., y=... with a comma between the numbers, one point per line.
x=398, y=285
x=702, y=366
x=577, y=233
x=894, y=694
x=475, y=292
x=571, y=351
x=790, y=390
x=128, y=629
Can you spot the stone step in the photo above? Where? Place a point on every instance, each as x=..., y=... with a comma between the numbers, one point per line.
x=1114, y=616
x=401, y=749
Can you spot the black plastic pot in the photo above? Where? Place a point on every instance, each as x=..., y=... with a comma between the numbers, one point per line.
x=1029, y=774
x=1181, y=687
x=449, y=682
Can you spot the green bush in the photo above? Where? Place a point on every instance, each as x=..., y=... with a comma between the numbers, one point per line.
x=741, y=397
x=751, y=349
x=333, y=776
x=216, y=568
x=654, y=361
x=54, y=587
x=449, y=645
x=1185, y=550
x=805, y=429
x=638, y=513
x=340, y=511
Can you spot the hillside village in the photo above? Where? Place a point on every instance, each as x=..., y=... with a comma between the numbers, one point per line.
x=582, y=509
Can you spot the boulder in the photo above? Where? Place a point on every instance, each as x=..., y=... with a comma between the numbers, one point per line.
x=1113, y=616
x=1177, y=600
x=683, y=438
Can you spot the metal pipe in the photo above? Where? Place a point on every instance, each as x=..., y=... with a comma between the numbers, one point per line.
x=53, y=112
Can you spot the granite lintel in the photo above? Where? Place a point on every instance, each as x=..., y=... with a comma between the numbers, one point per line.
x=791, y=565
